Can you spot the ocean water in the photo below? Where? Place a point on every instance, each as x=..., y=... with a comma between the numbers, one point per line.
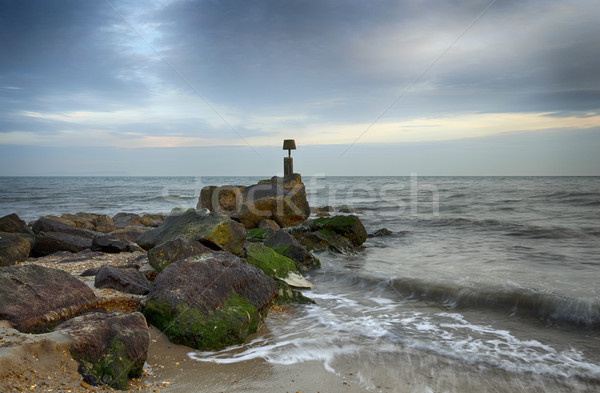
x=485, y=284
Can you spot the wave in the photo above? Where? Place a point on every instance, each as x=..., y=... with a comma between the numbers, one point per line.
x=511, y=299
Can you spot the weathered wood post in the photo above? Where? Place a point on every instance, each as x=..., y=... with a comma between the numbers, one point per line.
x=288, y=162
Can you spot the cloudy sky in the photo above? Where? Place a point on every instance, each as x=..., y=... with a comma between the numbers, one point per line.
x=174, y=87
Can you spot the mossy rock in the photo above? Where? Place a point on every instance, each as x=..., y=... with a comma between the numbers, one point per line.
x=350, y=227
x=212, y=331
x=288, y=295
x=275, y=265
x=259, y=234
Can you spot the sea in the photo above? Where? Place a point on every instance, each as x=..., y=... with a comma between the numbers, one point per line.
x=485, y=284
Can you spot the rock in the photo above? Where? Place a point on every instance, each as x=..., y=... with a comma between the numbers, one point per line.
x=210, y=302
x=285, y=244
x=286, y=295
x=13, y=248
x=259, y=234
x=13, y=224
x=211, y=229
x=46, y=224
x=162, y=255
x=223, y=200
x=110, y=348
x=50, y=242
x=153, y=220
x=93, y=271
x=124, y=220
x=32, y=296
x=124, y=280
x=275, y=265
x=280, y=199
x=348, y=209
x=109, y=244
x=380, y=232
x=268, y=224
x=321, y=241
x=103, y=223
x=348, y=226
x=96, y=222
x=128, y=233
x=323, y=209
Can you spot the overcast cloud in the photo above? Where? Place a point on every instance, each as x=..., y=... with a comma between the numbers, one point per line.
x=82, y=75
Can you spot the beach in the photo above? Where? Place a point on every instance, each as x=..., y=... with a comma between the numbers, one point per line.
x=481, y=285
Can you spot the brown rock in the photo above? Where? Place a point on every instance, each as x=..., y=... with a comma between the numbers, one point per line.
x=125, y=280
x=32, y=296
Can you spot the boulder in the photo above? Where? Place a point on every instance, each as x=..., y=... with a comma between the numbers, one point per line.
x=13, y=224
x=268, y=224
x=214, y=230
x=210, y=302
x=380, y=232
x=13, y=248
x=287, y=245
x=128, y=233
x=259, y=234
x=109, y=244
x=96, y=222
x=325, y=240
x=152, y=220
x=350, y=227
x=352, y=210
x=32, y=296
x=282, y=200
x=223, y=199
x=46, y=224
x=275, y=265
x=47, y=243
x=124, y=220
x=128, y=280
x=162, y=255
x=110, y=348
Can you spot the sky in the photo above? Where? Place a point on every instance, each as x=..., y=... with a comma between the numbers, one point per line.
x=209, y=87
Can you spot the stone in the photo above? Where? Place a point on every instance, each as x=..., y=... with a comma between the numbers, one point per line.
x=280, y=199
x=325, y=240
x=210, y=302
x=32, y=297
x=124, y=220
x=164, y=254
x=352, y=210
x=275, y=265
x=380, y=232
x=214, y=230
x=153, y=220
x=125, y=280
x=110, y=348
x=287, y=295
x=223, y=200
x=13, y=248
x=109, y=244
x=285, y=244
x=47, y=243
x=350, y=227
x=93, y=271
x=259, y=234
x=103, y=223
x=268, y=224
x=128, y=233
x=46, y=224
x=13, y=224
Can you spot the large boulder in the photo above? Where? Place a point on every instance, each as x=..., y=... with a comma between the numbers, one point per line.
x=282, y=200
x=13, y=248
x=50, y=242
x=115, y=245
x=128, y=233
x=124, y=220
x=287, y=245
x=128, y=280
x=164, y=254
x=275, y=265
x=110, y=348
x=214, y=230
x=210, y=302
x=13, y=224
x=32, y=296
x=96, y=222
x=350, y=227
